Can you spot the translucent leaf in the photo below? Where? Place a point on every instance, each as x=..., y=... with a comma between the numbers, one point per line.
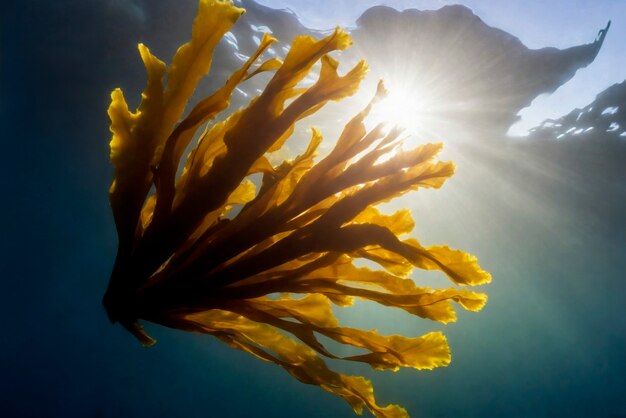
x=264, y=278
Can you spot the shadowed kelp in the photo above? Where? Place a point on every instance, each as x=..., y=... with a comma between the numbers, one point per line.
x=185, y=261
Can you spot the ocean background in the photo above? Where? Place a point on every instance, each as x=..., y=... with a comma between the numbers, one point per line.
x=545, y=215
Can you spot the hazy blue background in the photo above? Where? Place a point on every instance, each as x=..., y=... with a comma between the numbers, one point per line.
x=546, y=218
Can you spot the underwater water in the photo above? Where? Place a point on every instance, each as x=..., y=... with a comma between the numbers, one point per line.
x=544, y=214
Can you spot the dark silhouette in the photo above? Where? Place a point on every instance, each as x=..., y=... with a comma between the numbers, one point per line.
x=604, y=118
x=602, y=33
x=477, y=77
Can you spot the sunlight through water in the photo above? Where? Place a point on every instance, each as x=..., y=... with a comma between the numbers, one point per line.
x=409, y=108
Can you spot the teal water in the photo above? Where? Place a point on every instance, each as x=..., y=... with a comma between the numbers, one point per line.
x=545, y=216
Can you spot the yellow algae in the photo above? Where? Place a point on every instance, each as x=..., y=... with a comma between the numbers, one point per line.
x=185, y=262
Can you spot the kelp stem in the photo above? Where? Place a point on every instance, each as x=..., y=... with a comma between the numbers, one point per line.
x=135, y=328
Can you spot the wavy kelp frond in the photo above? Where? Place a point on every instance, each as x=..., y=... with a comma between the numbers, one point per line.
x=139, y=137
x=266, y=343
x=187, y=260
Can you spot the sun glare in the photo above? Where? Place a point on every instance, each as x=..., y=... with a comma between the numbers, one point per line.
x=405, y=108
x=398, y=108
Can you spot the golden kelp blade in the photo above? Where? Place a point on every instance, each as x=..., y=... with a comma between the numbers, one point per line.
x=184, y=261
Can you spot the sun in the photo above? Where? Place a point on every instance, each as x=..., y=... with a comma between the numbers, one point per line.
x=405, y=107
x=398, y=108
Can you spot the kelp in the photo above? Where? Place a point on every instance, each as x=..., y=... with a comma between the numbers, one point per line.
x=263, y=279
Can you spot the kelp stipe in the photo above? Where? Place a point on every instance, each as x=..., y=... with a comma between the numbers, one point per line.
x=185, y=262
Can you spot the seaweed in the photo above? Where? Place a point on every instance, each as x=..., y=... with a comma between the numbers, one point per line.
x=263, y=279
